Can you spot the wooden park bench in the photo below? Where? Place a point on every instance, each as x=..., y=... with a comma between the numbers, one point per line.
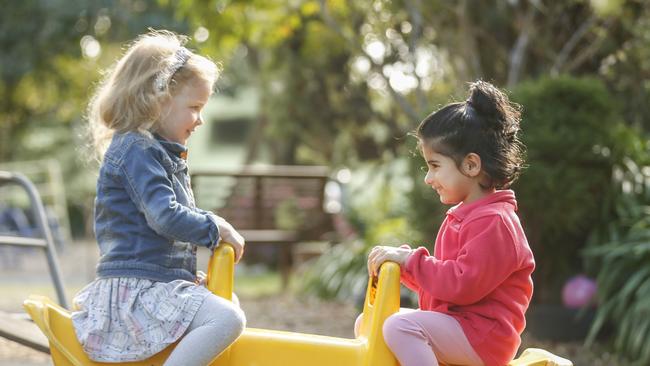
x=20, y=329
x=274, y=205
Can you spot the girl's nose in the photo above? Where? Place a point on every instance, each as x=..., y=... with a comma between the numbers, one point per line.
x=428, y=179
x=199, y=120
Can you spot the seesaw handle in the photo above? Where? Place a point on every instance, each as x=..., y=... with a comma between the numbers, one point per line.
x=221, y=271
x=382, y=300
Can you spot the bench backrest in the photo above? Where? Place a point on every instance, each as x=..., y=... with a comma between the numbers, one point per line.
x=267, y=198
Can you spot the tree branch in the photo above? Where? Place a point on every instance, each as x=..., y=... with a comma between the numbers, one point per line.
x=519, y=49
x=401, y=101
x=589, y=51
x=571, y=44
x=415, y=14
x=468, y=41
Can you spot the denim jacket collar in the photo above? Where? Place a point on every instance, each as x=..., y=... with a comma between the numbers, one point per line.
x=177, y=152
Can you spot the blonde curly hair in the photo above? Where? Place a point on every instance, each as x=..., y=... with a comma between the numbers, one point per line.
x=133, y=91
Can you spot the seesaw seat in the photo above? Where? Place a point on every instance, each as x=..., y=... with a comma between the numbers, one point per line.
x=260, y=347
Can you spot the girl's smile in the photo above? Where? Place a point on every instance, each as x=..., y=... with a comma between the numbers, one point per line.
x=183, y=114
x=446, y=178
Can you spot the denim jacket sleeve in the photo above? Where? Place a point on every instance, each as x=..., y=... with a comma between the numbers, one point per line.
x=151, y=189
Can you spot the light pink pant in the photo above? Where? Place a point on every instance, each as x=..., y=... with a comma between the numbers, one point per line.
x=424, y=338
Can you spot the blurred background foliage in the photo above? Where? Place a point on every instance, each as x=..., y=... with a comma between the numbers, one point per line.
x=619, y=253
x=342, y=83
x=575, y=137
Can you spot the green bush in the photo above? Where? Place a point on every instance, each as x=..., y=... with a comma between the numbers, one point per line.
x=376, y=207
x=624, y=266
x=339, y=273
x=574, y=137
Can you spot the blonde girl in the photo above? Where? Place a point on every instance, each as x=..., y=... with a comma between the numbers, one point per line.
x=147, y=294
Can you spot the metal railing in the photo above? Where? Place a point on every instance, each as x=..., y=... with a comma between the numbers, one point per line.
x=46, y=242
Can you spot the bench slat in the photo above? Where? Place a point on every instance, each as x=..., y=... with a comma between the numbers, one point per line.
x=23, y=331
x=269, y=236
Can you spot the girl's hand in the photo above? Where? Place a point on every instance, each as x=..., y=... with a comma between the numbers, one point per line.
x=231, y=236
x=201, y=278
x=381, y=254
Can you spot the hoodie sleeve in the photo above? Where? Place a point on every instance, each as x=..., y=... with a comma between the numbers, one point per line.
x=487, y=257
x=406, y=278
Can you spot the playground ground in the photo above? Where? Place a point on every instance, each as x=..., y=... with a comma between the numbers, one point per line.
x=265, y=305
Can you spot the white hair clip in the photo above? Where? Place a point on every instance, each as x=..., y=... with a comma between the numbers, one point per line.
x=180, y=58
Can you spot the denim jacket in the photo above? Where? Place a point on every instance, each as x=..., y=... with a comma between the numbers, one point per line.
x=146, y=221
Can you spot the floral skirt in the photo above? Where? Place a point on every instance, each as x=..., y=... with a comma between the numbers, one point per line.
x=131, y=319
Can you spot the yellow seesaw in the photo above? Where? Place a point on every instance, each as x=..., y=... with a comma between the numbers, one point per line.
x=261, y=347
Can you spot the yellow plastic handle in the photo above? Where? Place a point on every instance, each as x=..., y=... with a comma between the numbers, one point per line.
x=221, y=271
x=38, y=310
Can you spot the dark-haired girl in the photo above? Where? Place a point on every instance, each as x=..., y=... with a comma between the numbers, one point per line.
x=474, y=290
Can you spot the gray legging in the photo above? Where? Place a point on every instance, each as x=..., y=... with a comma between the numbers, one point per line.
x=216, y=325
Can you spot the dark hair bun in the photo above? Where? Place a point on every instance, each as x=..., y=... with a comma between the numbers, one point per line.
x=493, y=106
x=487, y=124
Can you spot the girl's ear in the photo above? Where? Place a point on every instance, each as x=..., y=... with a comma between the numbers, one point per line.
x=471, y=165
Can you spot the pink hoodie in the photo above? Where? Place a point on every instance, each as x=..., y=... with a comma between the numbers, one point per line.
x=480, y=274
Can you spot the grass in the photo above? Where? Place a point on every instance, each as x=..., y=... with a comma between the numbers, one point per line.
x=257, y=283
